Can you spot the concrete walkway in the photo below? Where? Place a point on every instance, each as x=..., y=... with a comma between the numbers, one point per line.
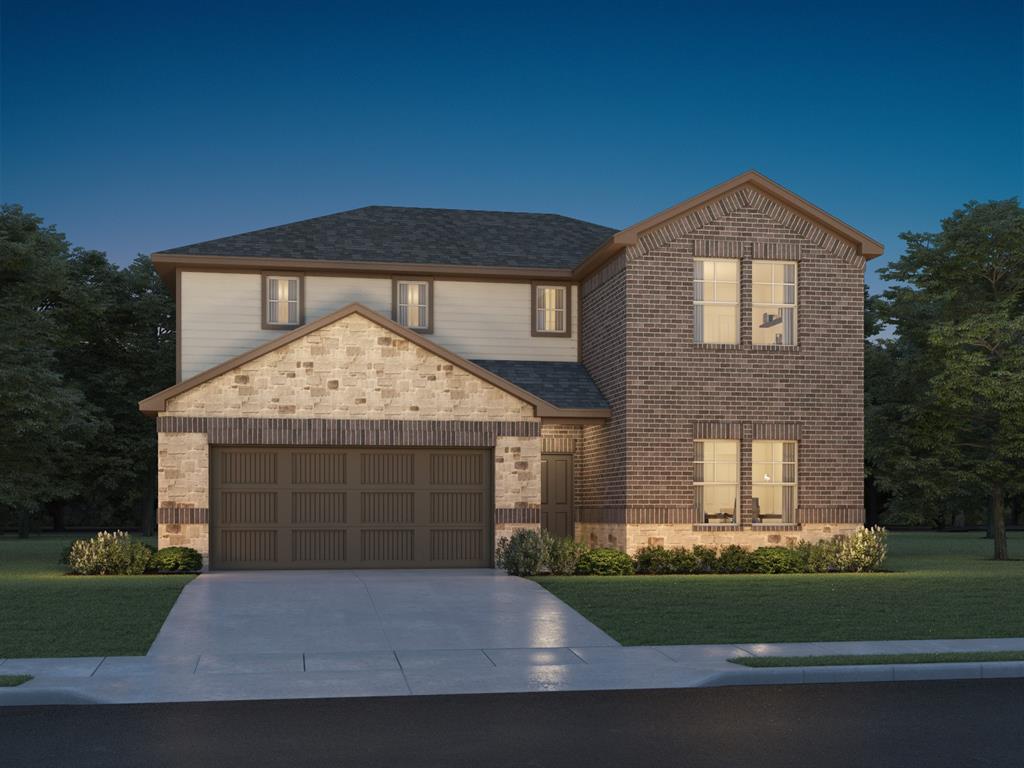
x=325, y=612
x=220, y=677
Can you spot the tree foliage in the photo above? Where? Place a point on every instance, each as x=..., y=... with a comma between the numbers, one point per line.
x=945, y=392
x=81, y=342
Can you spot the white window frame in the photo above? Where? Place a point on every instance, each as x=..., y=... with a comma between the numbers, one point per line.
x=276, y=291
x=702, y=459
x=544, y=313
x=702, y=297
x=423, y=304
x=781, y=303
x=777, y=477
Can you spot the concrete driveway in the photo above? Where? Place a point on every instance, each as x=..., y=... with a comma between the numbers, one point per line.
x=336, y=612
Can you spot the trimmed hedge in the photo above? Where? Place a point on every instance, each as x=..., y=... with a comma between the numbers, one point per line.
x=176, y=560
x=528, y=553
x=864, y=550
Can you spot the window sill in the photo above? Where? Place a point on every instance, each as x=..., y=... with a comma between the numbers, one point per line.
x=775, y=526
x=707, y=345
x=784, y=348
x=716, y=526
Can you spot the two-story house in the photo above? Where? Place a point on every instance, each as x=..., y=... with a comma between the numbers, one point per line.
x=398, y=387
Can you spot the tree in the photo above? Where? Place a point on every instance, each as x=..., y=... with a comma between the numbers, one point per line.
x=945, y=413
x=81, y=342
x=46, y=420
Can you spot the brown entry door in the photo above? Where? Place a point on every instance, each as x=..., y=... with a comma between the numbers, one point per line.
x=556, y=494
x=350, y=508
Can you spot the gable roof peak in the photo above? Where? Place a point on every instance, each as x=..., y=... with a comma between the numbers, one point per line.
x=866, y=246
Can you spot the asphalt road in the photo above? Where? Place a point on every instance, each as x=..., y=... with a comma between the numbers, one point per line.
x=929, y=724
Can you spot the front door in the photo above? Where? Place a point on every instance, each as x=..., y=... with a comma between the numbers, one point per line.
x=556, y=494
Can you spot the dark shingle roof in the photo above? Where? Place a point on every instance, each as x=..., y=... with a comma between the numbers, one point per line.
x=566, y=385
x=420, y=236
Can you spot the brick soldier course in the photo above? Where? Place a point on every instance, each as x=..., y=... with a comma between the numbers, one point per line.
x=356, y=378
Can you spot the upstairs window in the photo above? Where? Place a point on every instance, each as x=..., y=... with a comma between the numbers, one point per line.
x=550, y=310
x=412, y=304
x=774, y=303
x=282, y=301
x=716, y=479
x=716, y=315
x=774, y=481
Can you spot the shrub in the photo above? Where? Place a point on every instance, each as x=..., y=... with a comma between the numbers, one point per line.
x=521, y=554
x=734, y=559
x=705, y=559
x=655, y=560
x=683, y=561
x=778, y=560
x=114, y=553
x=864, y=550
x=604, y=562
x=561, y=554
x=176, y=559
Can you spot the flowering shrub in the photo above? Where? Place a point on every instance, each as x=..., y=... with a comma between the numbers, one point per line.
x=114, y=553
x=864, y=550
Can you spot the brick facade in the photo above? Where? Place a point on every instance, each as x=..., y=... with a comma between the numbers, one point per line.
x=666, y=391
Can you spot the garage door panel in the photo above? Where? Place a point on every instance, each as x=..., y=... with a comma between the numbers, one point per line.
x=456, y=507
x=384, y=546
x=319, y=468
x=319, y=507
x=387, y=507
x=248, y=548
x=319, y=546
x=249, y=507
x=456, y=469
x=388, y=468
x=456, y=545
x=249, y=468
x=294, y=507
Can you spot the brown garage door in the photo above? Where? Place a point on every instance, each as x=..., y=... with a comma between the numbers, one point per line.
x=350, y=508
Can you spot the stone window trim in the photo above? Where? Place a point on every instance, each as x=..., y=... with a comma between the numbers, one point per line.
x=265, y=278
x=567, y=330
x=396, y=281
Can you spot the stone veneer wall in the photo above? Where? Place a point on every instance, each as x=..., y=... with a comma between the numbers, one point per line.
x=318, y=390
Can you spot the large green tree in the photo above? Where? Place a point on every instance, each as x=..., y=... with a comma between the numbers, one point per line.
x=945, y=392
x=84, y=340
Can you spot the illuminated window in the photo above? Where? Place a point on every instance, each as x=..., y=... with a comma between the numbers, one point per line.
x=774, y=481
x=551, y=309
x=716, y=301
x=413, y=304
x=774, y=303
x=282, y=295
x=716, y=474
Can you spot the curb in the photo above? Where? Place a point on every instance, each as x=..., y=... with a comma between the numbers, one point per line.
x=867, y=673
x=33, y=697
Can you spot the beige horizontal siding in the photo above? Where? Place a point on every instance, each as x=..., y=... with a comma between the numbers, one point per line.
x=491, y=321
x=221, y=316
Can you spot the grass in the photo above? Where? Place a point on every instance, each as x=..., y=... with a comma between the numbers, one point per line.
x=9, y=681
x=44, y=613
x=941, y=585
x=879, y=658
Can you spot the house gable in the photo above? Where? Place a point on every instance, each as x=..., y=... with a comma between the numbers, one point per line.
x=353, y=363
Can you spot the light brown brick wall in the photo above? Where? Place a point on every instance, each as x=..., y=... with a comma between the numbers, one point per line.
x=666, y=385
x=349, y=370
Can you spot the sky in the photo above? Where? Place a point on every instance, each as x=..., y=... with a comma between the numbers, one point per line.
x=135, y=127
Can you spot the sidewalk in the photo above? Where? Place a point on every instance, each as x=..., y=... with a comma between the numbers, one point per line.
x=222, y=677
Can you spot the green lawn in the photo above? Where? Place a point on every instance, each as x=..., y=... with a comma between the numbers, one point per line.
x=9, y=681
x=943, y=585
x=881, y=658
x=45, y=613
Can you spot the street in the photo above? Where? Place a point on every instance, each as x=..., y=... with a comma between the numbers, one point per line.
x=938, y=723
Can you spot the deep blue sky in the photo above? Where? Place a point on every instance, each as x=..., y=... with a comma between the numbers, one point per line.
x=139, y=126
